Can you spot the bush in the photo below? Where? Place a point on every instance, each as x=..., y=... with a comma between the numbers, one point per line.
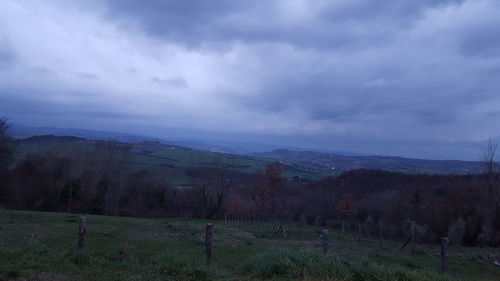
x=282, y=263
x=316, y=266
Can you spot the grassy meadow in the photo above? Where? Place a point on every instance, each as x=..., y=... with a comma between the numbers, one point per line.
x=41, y=246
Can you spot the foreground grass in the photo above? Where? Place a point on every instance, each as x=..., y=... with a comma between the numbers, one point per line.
x=41, y=246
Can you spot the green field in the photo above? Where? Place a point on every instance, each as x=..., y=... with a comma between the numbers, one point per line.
x=41, y=246
x=171, y=160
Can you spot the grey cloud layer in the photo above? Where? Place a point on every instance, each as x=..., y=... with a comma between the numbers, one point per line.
x=333, y=23
x=379, y=71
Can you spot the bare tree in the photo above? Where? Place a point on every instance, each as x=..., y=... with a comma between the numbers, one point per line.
x=5, y=155
x=213, y=185
x=275, y=180
x=5, y=144
x=113, y=173
x=489, y=162
x=82, y=162
x=490, y=168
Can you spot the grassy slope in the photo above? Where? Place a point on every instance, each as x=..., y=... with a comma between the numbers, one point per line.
x=40, y=246
x=174, y=160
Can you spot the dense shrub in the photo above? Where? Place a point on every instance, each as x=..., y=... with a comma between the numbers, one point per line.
x=299, y=264
x=315, y=266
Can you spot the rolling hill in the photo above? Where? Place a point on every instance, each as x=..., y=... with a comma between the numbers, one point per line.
x=177, y=156
x=171, y=160
x=341, y=163
x=19, y=131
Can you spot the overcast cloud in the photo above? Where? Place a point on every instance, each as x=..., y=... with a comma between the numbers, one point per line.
x=410, y=78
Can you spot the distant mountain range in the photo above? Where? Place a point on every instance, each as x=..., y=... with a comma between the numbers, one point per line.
x=21, y=132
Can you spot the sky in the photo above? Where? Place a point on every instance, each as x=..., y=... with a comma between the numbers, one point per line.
x=409, y=78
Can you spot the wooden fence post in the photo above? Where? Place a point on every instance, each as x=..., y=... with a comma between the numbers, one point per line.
x=325, y=240
x=281, y=229
x=444, y=254
x=209, y=229
x=302, y=220
x=343, y=229
x=380, y=235
x=412, y=237
x=359, y=232
x=82, y=228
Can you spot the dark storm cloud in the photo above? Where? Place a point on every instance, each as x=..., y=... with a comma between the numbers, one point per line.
x=482, y=41
x=197, y=23
x=191, y=21
x=174, y=81
x=402, y=12
x=23, y=103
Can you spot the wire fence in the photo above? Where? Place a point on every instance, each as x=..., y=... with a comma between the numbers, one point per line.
x=117, y=238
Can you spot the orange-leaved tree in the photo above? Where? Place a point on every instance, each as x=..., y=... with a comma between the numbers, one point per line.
x=267, y=186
